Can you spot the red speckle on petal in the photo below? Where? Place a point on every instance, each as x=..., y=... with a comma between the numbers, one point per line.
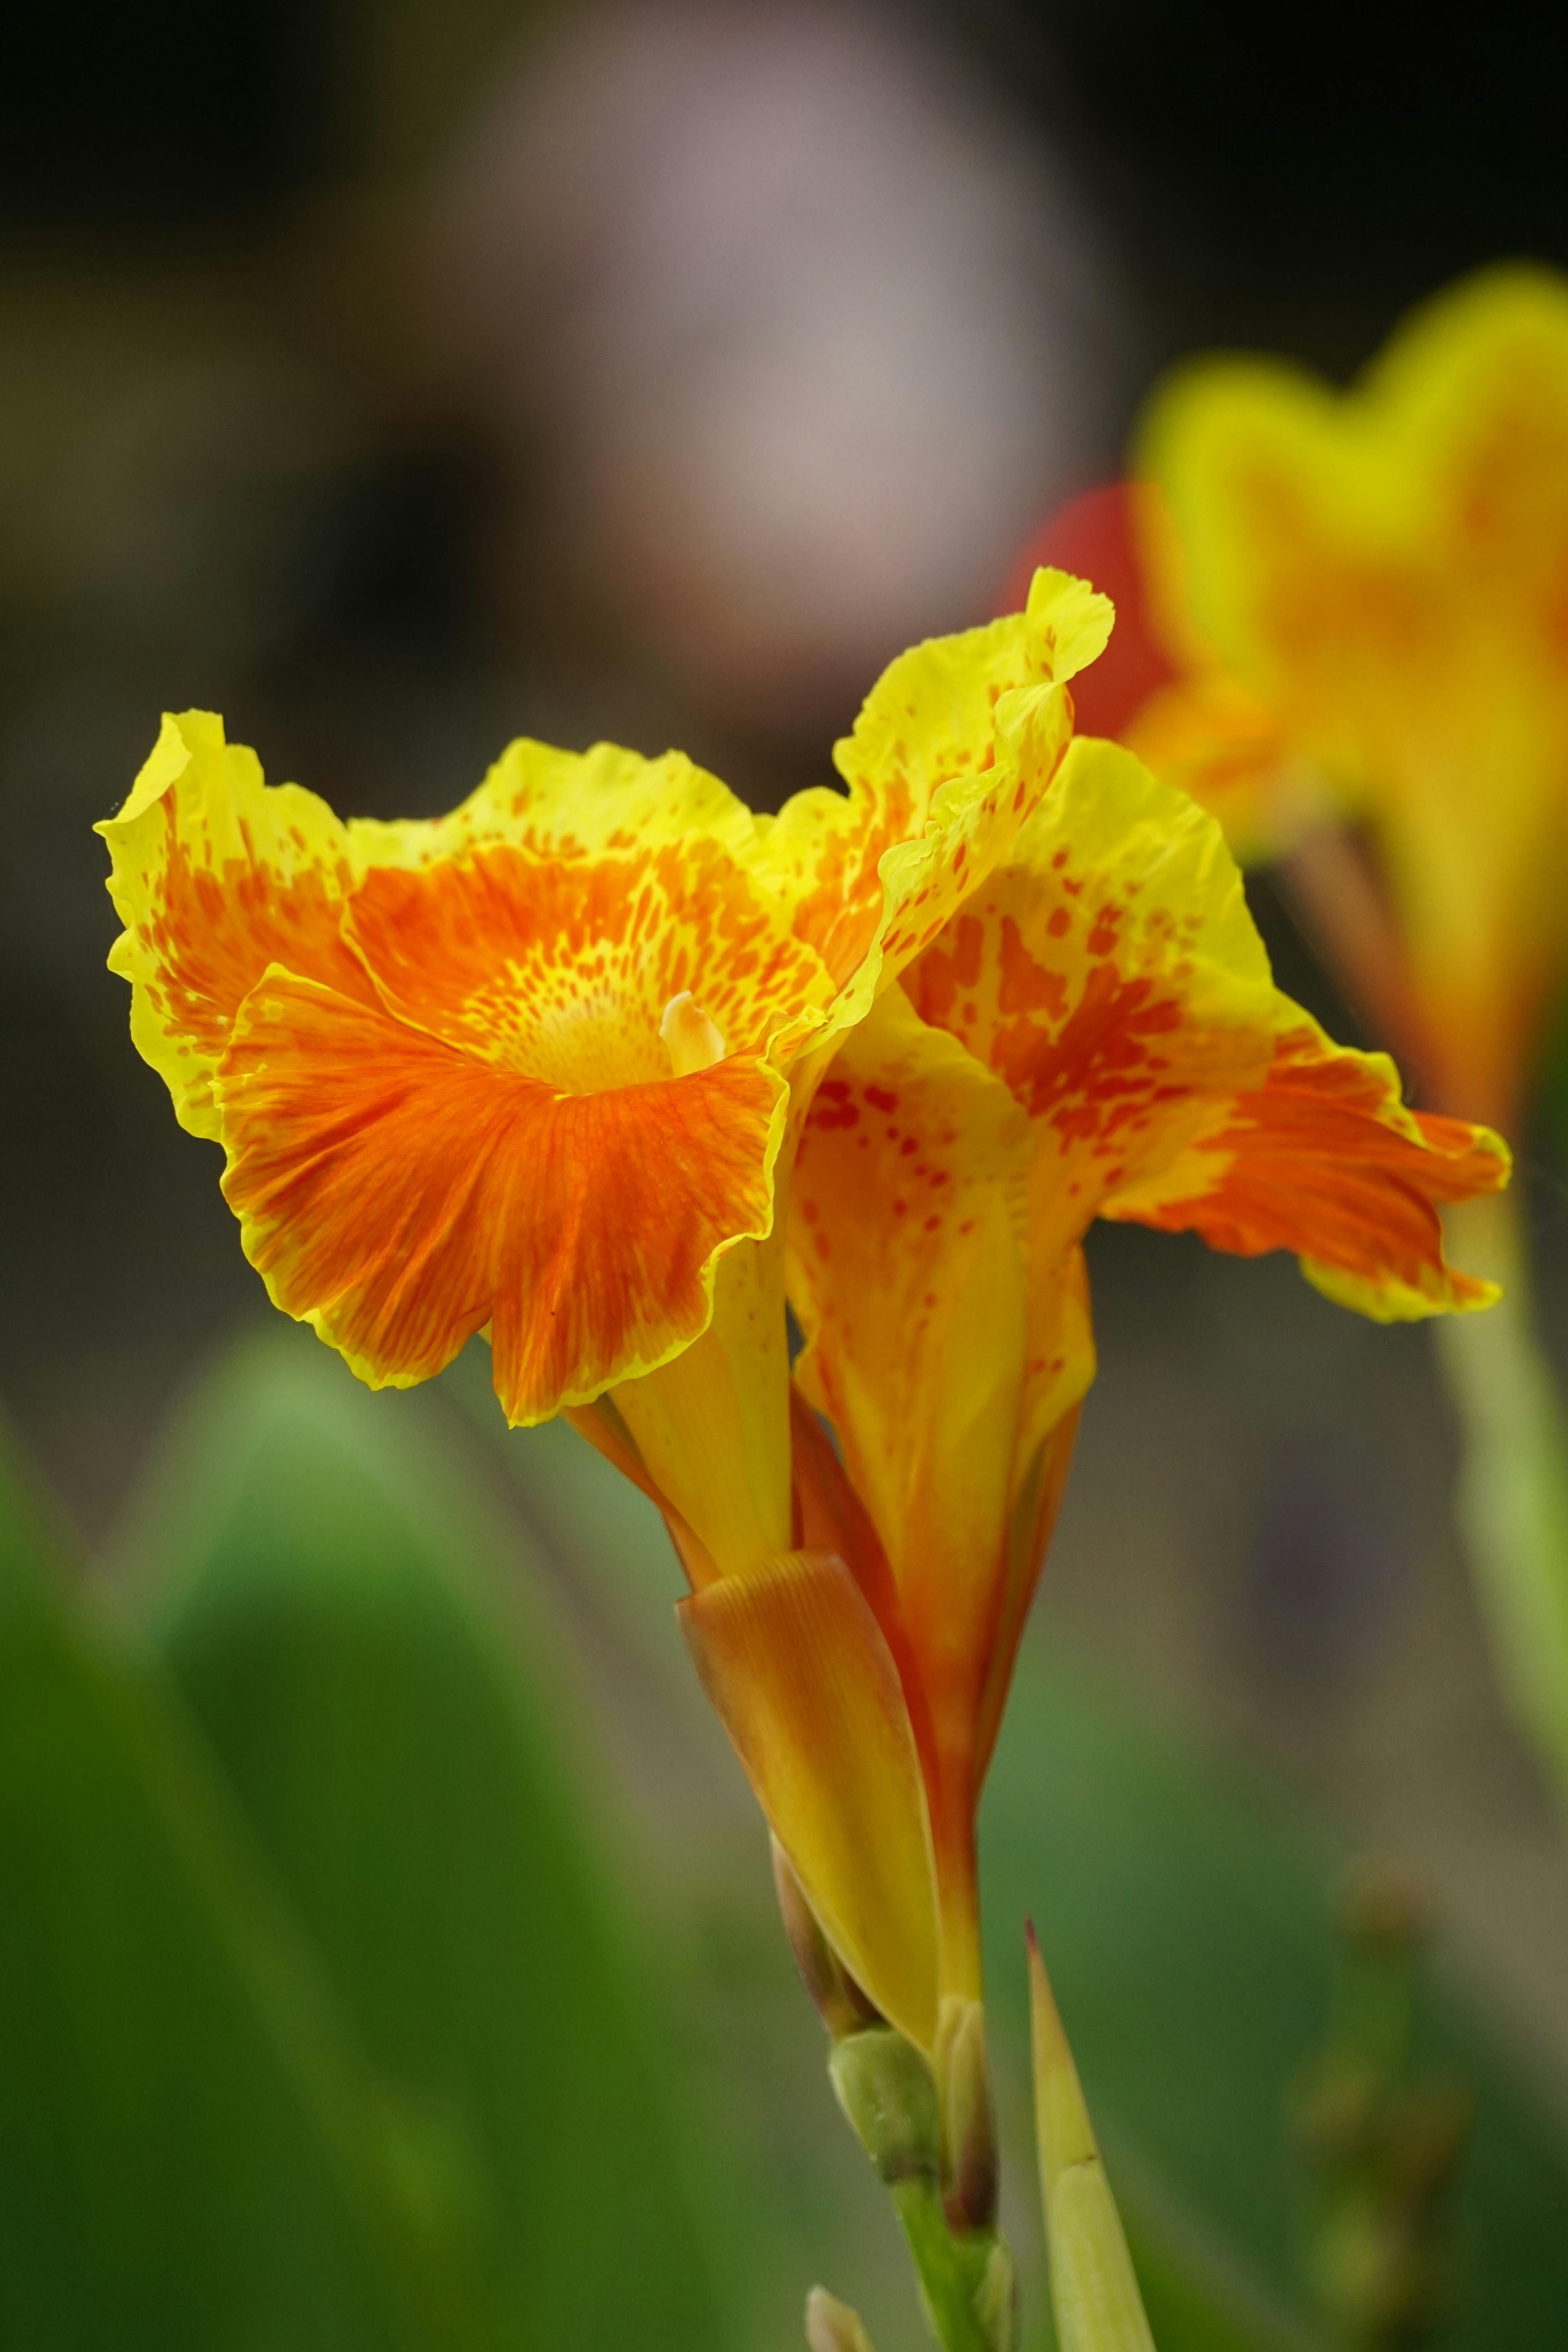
x=833, y=1107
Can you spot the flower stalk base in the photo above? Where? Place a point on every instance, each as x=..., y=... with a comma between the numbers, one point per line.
x=888, y=2093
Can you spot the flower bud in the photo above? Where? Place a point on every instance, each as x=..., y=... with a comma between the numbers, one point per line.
x=831, y=2326
x=889, y=2092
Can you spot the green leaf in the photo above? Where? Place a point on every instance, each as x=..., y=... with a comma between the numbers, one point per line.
x=193, y=2151
x=370, y=1654
x=1189, y=1927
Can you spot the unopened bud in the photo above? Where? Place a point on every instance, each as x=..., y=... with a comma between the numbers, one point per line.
x=968, y=2117
x=831, y=2326
x=889, y=2092
x=839, y=2000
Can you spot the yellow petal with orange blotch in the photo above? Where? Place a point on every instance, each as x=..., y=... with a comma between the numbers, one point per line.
x=215, y=876
x=400, y=1194
x=924, y=792
x=802, y=1681
x=908, y=1271
x=502, y=1137
x=1110, y=975
x=1324, y=1159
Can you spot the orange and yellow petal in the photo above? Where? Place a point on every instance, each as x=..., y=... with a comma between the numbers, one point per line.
x=908, y=1271
x=1324, y=1160
x=1110, y=974
x=567, y=969
x=401, y=1193
x=712, y=1426
x=906, y=1246
x=215, y=876
x=570, y=807
x=1099, y=536
x=917, y=766
x=802, y=1681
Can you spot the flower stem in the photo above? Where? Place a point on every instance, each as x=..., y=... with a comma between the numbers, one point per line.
x=1513, y=1488
x=951, y=2269
x=886, y=2088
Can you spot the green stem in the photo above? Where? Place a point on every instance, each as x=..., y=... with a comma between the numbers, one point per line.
x=1513, y=1488
x=951, y=2270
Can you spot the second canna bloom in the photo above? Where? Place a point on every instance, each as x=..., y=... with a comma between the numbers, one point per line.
x=1365, y=597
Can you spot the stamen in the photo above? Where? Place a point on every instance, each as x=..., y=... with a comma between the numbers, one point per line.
x=693, y=1042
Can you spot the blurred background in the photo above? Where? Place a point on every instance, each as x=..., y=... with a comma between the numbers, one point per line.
x=398, y=378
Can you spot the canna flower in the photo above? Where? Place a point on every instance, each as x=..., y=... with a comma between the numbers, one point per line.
x=1365, y=602
x=1095, y=1033
x=539, y=1069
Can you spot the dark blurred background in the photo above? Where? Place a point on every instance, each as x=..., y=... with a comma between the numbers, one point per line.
x=396, y=379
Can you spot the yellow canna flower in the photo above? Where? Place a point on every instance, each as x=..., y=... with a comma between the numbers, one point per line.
x=539, y=1069
x=1383, y=577
x=1096, y=1032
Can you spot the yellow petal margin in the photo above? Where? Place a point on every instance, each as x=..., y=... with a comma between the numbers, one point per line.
x=930, y=808
x=214, y=878
x=801, y=1677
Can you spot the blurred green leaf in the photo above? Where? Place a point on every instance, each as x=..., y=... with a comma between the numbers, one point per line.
x=193, y=2151
x=1189, y=1929
x=326, y=1589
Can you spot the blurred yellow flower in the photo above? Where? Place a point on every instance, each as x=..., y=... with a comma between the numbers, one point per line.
x=1368, y=595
